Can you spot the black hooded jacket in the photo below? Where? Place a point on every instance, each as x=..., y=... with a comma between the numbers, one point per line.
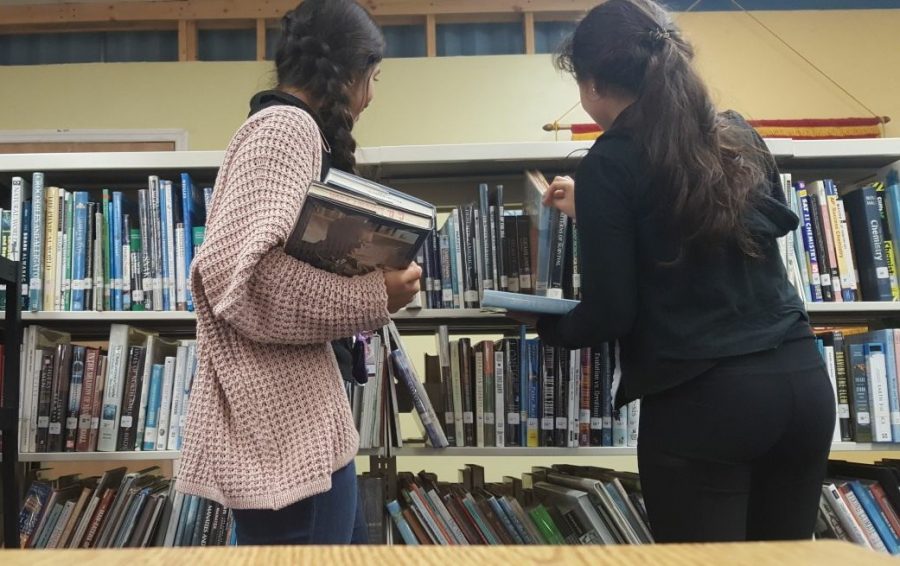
x=673, y=320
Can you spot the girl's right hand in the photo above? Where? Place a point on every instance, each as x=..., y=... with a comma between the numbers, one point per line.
x=561, y=195
x=402, y=286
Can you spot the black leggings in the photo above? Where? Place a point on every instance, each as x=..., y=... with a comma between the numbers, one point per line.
x=740, y=452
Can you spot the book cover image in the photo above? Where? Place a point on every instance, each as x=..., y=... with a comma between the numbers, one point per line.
x=347, y=242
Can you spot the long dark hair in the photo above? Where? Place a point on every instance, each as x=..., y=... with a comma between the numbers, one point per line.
x=326, y=45
x=708, y=168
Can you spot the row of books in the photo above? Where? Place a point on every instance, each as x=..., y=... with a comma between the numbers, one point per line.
x=105, y=251
x=845, y=246
x=563, y=504
x=483, y=246
x=861, y=504
x=521, y=392
x=119, y=510
x=864, y=367
x=132, y=396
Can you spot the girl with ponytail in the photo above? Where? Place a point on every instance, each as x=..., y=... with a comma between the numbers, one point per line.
x=678, y=209
x=269, y=432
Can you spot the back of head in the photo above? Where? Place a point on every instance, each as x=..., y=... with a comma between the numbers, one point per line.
x=706, y=171
x=325, y=46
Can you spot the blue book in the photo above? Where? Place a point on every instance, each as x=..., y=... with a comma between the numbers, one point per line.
x=505, y=519
x=186, y=535
x=79, y=248
x=26, y=252
x=116, y=252
x=36, y=269
x=191, y=207
x=520, y=528
x=809, y=244
x=164, y=248
x=860, y=415
x=874, y=512
x=153, y=404
x=400, y=522
x=519, y=302
x=182, y=519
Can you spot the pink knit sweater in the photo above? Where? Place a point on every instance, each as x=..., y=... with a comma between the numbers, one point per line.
x=269, y=420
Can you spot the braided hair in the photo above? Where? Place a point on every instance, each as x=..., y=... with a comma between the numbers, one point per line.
x=325, y=46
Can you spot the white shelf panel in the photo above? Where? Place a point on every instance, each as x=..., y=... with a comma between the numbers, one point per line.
x=98, y=456
x=864, y=446
x=859, y=307
x=163, y=160
x=108, y=316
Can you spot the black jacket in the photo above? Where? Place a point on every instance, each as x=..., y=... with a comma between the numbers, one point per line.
x=673, y=320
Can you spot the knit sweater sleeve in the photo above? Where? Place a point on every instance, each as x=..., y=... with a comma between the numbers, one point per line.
x=242, y=270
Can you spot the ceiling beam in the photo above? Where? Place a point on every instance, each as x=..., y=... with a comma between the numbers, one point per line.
x=178, y=10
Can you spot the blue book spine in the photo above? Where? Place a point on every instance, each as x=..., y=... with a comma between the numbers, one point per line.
x=116, y=252
x=36, y=270
x=523, y=386
x=874, y=512
x=534, y=392
x=483, y=525
x=861, y=422
x=864, y=216
x=809, y=245
x=164, y=248
x=187, y=213
x=153, y=405
x=507, y=522
x=26, y=252
x=79, y=250
x=402, y=526
x=190, y=522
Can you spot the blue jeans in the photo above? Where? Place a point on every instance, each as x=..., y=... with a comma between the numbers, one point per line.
x=333, y=517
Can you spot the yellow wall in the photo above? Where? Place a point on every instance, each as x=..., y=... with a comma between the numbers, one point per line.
x=482, y=99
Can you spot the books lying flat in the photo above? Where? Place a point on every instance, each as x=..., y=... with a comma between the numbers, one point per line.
x=352, y=226
x=518, y=302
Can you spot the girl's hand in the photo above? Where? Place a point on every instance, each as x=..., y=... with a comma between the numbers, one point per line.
x=561, y=195
x=402, y=286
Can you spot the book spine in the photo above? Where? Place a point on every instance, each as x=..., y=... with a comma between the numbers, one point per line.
x=62, y=373
x=89, y=382
x=51, y=228
x=45, y=393
x=819, y=236
x=420, y=400
x=888, y=513
x=125, y=229
x=137, y=281
x=558, y=237
x=523, y=229
x=177, y=409
x=26, y=256
x=485, y=238
x=865, y=225
x=155, y=243
x=828, y=236
x=548, y=393
x=561, y=398
x=112, y=389
x=879, y=405
x=842, y=383
x=809, y=244
x=59, y=268
x=146, y=270
x=466, y=363
x=535, y=417
x=68, y=241
x=165, y=407
x=456, y=265
x=847, y=246
x=479, y=395
x=187, y=205
x=126, y=431
x=887, y=241
x=494, y=249
x=153, y=404
x=108, y=248
x=446, y=276
x=470, y=295
x=499, y=398
x=16, y=217
x=488, y=396
x=510, y=253
x=598, y=359
x=180, y=274
x=859, y=394
x=36, y=270
x=838, y=232
x=585, y=399
x=862, y=518
x=75, y=395
x=455, y=375
x=167, y=299
x=879, y=521
x=513, y=393
x=831, y=367
x=79, y=251
x=97, y=409
x=893, y=392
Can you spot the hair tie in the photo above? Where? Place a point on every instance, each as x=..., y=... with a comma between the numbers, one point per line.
x=658, y=36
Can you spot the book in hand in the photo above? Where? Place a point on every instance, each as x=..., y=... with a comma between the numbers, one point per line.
x=519, y=302
x=351, y=226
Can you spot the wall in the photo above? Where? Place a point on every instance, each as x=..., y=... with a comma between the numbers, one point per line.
x=482, y=99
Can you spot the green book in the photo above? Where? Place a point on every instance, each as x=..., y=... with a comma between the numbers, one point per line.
x=545, y=525
x=137, y=291
x=199, y=234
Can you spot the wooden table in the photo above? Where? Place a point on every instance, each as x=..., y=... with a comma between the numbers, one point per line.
x=824, y=553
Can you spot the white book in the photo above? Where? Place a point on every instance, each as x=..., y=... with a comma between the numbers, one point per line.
x=620, y=427
x=180, y=269
x=479, y=399
x=500, y=397
x=126, y=270
x=634, y=417
x=878, y=393
x=156, y=350
x=170, y=244
x=181, y=368
x=121, y=336
x=457, y=394
x=165, y=407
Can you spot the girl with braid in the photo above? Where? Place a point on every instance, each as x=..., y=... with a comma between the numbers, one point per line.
x=270, y=433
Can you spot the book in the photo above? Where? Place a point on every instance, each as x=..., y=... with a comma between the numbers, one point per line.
x=351, y=226
x=121, y=338
x=868, y=241
x=127, y=430
x=518, y=302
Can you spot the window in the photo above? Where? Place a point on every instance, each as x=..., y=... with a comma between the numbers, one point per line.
x=88, y=47
x=404, y=41
x=480, y=39
x=226, y=45
x=549, y=35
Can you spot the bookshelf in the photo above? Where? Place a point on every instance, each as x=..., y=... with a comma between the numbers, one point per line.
x=435, y=172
